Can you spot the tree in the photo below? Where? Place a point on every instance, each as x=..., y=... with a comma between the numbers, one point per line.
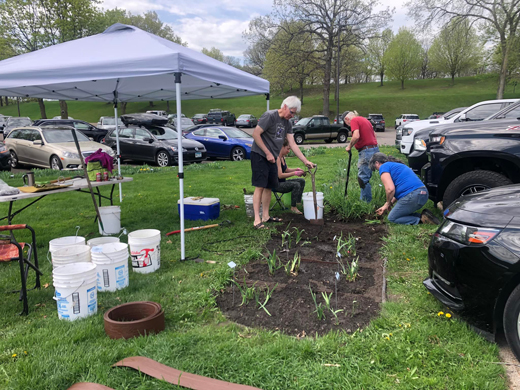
x=327, y=21
x=500, y=17
x=456, y=49
x=219, y=56
x=376, y=52
x=403, y=57
x=260, y=36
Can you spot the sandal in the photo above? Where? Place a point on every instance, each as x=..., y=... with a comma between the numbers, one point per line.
x=260, y=226
x=273, y=219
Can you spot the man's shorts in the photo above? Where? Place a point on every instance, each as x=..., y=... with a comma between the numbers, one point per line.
x=265, y=174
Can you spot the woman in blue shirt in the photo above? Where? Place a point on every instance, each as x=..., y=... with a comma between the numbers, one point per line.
x=404, y=189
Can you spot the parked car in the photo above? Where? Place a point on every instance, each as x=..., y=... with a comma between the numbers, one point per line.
x=185, y=123
x=469, y=157
x=59, y=117
x=109, y=123
x=419, y=157
x=224, y=118
x=476, y=112
x=196, y=127
x=171, y=116
x=436, y=115
x=3, y=122
x=224, y=142
x=319, y=127
x=378, y=122
x=14, y=122
x=49, y=147
x=246, y=120
x=158, y=112
x=85, y=127
x=5, y=158
x=200, y=119
x=474, y=261
x=143, y=140
x=406, y=118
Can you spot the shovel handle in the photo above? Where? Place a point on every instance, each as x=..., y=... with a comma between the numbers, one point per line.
x=193, y=228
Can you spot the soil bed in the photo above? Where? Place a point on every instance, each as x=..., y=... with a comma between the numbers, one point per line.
x=291, y=305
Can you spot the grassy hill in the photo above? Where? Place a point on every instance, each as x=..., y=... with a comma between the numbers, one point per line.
x=419, y=97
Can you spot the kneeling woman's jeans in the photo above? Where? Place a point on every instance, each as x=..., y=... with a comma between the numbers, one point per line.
x=295, y=187
x=404, y=210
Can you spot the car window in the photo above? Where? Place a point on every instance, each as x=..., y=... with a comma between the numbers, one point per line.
x=81, y=126
x=304, y=121
x=126, y=133
x=483, y=111
x=199, y=133
x=34, y=135
x=213, y=132
x=236, y=133
x=513, y=114
x=15, y=134
x=25, y=134
x=141, y=134
x=55, y=136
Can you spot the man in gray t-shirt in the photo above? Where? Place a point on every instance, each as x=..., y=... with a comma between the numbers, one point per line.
x=273, y=127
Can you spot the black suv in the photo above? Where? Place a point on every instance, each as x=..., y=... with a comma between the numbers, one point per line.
x=468, y=157
x=86, y=128
x=224, y=118
x=378, y=122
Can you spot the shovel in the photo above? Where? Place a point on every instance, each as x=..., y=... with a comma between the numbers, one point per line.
x=348, y=170
x=226, y=222
x=315, y=221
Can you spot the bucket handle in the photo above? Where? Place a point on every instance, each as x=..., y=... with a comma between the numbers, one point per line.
x=57, y=299
x=77, y=230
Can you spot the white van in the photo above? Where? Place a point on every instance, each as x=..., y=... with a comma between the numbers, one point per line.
x=160, y=113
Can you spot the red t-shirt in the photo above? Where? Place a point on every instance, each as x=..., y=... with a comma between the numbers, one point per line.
x=367, y=137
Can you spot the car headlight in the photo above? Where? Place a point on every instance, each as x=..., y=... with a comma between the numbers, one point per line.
x=3, y=149
x=70, y=155
x=468, y=235
x=419, y=145
x=407, y=130
x=437, y=139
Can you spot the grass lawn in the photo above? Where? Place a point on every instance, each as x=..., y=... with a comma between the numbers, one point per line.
x=409, y=346
x=422, y=97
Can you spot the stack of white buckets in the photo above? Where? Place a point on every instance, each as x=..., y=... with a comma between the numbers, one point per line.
x=81, y=270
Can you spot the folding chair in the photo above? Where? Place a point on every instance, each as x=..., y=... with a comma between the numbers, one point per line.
x=12, y=250
x=278, y=196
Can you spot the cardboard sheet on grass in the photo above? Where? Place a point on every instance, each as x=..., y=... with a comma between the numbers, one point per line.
x=130, y=65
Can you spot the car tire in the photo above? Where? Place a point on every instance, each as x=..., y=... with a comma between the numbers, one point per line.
x=238, y=153
x=298, y=138
x=13, y=161
x=162, y=158
x=511, y=318
x=342, y=137
x=328, y=140
x=472, y=182
x=55, y=163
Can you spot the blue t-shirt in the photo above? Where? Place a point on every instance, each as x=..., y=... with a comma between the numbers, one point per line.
x=405, y=181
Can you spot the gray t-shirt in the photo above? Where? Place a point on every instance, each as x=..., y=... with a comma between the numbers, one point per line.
x=275, y=129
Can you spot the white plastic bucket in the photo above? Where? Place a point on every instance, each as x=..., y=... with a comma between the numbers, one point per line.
x=145, y=249
x=111, y=217
x=65, y=241
x=76, y=290
x=102, y=240
x=250, y=212
x=70, y=254
x=308, y=205
x=112, y=266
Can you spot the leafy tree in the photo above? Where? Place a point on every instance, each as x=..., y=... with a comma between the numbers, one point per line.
x=219, y=55
x=500, y=17
x=403, y=57
x=376, y=52
x=455, y=49
x=259, y=35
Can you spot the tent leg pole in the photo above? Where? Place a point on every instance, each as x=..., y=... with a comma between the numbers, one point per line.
x=180, y=158
x=118, y=154
x=267, y=98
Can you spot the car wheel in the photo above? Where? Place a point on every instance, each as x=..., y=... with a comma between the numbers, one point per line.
x=511, y=318
x=328, y=141
x=472, y=182
x=342, y=137
x=298, y=138
x=238, y=154
x=163, y=158
x=13, y=161
x=55, y=163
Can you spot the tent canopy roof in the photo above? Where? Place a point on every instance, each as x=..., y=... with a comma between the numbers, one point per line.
x=126, y=63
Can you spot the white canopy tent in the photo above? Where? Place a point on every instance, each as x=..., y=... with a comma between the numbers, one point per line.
x=126, y=64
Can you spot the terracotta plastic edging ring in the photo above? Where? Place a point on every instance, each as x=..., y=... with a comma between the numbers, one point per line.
x=134, y=319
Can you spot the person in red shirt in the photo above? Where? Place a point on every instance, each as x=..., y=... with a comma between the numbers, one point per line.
x=364, y=140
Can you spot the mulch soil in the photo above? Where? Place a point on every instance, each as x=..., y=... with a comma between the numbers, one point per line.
x=291, y=305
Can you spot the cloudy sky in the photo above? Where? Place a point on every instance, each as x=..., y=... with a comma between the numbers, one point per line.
x=218, y=23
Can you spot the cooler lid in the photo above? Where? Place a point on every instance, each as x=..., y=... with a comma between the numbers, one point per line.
x=199, y=201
